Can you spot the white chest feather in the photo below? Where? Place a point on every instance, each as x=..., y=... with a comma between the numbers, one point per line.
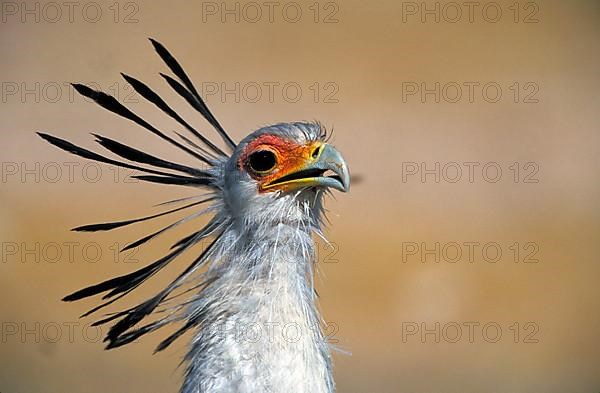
x=261, y=329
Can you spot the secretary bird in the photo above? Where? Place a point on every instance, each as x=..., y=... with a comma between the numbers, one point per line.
x=265, y=201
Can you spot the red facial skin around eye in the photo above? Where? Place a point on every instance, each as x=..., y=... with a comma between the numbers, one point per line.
x=290, y=157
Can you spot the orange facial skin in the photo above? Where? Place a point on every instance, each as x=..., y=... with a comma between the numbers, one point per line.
x=291, y=157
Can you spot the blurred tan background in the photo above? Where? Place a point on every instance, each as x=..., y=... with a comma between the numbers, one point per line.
x=394, y=317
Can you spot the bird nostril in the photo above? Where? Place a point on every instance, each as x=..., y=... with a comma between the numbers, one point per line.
x=315, y=152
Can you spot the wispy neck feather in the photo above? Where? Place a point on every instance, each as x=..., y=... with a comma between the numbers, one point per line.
x=259, y=327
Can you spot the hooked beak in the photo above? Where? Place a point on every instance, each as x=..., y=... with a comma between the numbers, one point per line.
x=313, y=172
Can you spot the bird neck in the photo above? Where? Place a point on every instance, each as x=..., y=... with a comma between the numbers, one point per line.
x=260, y=327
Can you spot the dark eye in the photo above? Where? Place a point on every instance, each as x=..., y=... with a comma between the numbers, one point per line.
x=262, y=161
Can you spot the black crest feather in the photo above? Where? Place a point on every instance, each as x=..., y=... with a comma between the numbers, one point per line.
x=152, y=169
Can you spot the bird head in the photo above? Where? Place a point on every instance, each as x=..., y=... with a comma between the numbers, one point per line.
x=280, y=165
